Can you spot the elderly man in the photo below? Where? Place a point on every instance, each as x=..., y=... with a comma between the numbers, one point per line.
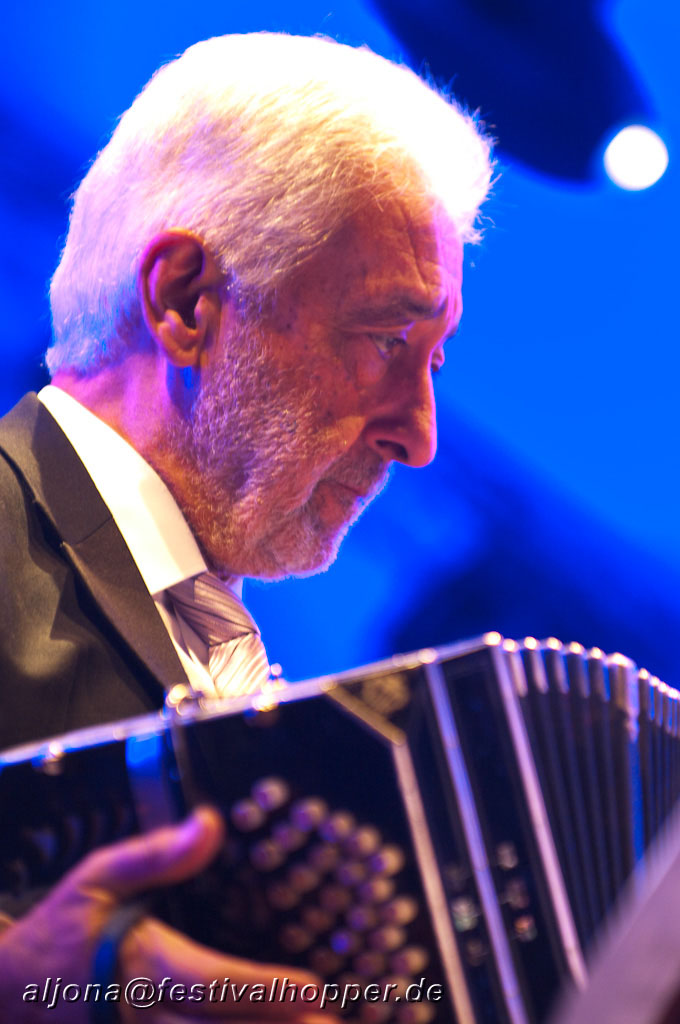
x=261, y=270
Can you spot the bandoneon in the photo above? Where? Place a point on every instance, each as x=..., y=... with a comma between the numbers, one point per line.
x=456, y=823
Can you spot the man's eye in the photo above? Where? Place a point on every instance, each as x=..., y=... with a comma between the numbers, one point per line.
x=386, y=344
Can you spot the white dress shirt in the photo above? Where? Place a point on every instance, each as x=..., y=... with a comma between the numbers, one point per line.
x=148, y=517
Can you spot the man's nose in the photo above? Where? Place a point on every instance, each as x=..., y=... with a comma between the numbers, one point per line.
x=404, y=428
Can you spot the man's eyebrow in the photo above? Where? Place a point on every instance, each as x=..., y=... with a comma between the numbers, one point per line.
x=393, y=309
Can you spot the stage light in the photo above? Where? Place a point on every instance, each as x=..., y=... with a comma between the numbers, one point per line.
x=550, y=80
x=635, y=158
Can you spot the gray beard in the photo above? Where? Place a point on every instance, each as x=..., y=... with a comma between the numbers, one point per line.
x=242, y=446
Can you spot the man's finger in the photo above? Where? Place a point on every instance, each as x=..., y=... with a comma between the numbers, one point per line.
x=161, y=857
x=153, y=949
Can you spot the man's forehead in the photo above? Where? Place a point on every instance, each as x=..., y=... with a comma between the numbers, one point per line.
x=391, y=262
x=402, y=254
x=406, y=262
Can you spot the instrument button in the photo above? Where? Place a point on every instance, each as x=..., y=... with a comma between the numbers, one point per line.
x=290, y=837
x=387, y=861
x=309, y=814
x=303, y=878
x=362, y=917
x=335, y=897
x=267, y=855
x=323, y=856
x=363, y=842
x=317, y=919
x=387, y=938
x=352, y=872
x=247, y=816
x=338, y=827
x=344, y=941
x=376, y=890
x=270, y=793
x=410, y=960
x=401, y=910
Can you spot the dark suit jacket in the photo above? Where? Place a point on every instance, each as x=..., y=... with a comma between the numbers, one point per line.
x=81, y=642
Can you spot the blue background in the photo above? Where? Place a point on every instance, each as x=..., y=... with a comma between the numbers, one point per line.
x=552, y=506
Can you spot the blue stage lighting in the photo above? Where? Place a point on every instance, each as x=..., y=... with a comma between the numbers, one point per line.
x=635, y=158
x=549, y=79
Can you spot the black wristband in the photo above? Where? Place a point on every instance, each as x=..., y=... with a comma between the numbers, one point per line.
x=105, y=960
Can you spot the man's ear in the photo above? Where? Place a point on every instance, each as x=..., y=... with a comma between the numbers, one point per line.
x=179, y=284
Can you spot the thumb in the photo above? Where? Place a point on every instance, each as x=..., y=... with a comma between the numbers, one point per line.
x=161, y=857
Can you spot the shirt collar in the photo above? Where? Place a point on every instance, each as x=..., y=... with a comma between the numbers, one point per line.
x=148, y=517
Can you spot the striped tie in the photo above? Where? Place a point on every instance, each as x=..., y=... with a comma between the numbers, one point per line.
x=237, y=660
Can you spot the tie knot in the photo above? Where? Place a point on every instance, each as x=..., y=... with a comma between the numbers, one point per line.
x=212, y=609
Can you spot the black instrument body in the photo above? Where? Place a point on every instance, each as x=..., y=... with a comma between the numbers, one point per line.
x=460, y=820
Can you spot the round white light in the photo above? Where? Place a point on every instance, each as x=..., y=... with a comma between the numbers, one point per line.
x=635, y=158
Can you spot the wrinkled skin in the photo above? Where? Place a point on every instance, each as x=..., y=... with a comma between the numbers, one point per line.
x=272, y=436
x=300, y=417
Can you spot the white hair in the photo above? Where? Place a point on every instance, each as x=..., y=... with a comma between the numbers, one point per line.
x=262, y=145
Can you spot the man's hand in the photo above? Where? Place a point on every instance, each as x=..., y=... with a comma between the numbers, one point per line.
x=58, y=939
